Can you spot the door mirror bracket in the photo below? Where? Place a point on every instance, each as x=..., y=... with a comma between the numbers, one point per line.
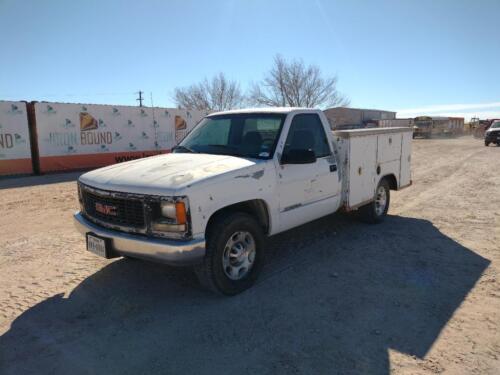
x=298, y=156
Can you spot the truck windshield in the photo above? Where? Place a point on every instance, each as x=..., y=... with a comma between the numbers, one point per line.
x=423, y=124
x=244, y=135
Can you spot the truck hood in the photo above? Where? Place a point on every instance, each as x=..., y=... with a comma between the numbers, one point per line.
x=163, y=174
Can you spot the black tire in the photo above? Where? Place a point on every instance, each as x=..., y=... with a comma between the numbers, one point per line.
x=486, y=144
x=370, y=212
x=210, y=272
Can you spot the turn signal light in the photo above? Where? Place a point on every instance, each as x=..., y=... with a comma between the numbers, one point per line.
x=180, y=210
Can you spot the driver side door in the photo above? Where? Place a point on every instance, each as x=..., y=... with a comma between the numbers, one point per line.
x=312, y=190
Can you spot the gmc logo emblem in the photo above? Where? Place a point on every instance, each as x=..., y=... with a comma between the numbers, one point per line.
x=105, y=209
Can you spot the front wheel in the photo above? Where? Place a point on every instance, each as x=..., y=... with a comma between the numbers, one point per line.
x=234, y=254
x=486, y=143
x=376, y=211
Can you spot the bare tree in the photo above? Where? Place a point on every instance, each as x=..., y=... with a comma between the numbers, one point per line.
x=218, y=94
x=293, y=84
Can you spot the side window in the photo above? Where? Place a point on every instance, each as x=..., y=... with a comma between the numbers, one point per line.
x=306, y=132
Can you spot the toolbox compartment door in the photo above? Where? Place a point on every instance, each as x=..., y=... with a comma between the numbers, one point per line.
x=362, y=166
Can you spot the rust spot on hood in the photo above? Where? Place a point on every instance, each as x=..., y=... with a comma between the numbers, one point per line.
x=256, y=175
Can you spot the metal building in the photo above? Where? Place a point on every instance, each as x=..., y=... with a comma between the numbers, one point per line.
x=352, y=118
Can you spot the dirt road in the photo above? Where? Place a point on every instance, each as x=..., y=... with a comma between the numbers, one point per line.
x=418, y=294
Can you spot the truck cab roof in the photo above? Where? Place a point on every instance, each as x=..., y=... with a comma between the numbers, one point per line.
x=281, y=110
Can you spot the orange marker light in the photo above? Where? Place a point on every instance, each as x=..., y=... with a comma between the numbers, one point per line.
x=180, y=212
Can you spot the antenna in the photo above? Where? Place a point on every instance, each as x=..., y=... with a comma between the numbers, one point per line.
x=140, y=99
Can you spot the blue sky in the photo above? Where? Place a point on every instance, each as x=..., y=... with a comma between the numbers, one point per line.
x=436, y=57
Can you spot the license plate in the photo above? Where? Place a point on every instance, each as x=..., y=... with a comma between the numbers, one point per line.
x=97, y=245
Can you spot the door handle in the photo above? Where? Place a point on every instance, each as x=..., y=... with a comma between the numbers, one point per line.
x=333, y=168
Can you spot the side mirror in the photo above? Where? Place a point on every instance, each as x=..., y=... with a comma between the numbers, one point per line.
x=298, y=156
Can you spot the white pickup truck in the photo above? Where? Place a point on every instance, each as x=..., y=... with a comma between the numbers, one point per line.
x=237, y=178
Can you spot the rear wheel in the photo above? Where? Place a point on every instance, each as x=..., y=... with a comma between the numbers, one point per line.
x=234, y=254
x=376, y=211
x=486, y=143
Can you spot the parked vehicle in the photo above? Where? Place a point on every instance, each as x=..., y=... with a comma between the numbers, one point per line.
x=480, y=127
x=436, y=126
x=237, y=178
x=492, y=135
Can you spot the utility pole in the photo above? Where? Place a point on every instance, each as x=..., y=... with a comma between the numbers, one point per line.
x=140, y=99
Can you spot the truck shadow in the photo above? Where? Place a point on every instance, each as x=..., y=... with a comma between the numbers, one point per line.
x=335, y=297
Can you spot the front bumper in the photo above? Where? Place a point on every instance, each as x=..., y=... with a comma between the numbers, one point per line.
x=177, y=253
x=492, y=137
x=418, y=132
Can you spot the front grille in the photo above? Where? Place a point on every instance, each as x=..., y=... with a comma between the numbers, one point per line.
x=123, y=211
x=493, y=135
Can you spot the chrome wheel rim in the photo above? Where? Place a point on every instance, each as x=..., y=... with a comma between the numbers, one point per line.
x=239, y=255
x=380, y=201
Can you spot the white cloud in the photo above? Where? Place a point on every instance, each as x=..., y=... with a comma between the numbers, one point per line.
x=481, y=110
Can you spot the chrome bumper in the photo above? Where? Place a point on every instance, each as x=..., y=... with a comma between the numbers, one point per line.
x=177, y=253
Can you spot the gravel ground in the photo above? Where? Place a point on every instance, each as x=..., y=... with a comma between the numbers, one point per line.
x=418, y=294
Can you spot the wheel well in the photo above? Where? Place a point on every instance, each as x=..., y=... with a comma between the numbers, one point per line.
x=391, y=179
x=255, y=207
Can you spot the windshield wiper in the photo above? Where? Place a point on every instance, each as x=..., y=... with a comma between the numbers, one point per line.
x=184, y=148
x=227, y=150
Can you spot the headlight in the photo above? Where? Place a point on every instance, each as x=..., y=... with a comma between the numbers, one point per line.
x=171, y=217
x=168, y=210
x=175, y=211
